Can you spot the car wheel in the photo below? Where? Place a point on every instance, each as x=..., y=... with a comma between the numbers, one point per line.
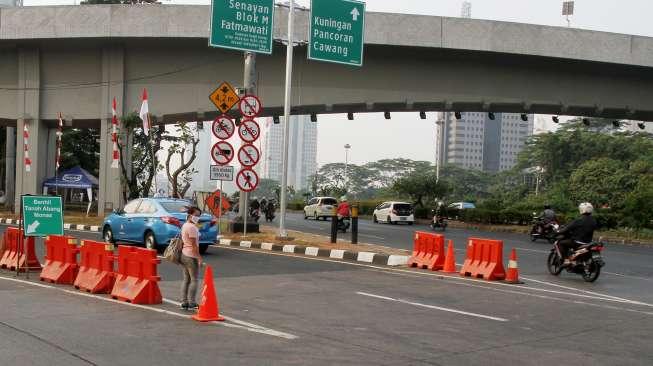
x=410, y=222
x=388, y=220
x=150, y=241
x=375, y=220
x=107, y=234
x=315, y=216
x=305, y=215
x=203, y=249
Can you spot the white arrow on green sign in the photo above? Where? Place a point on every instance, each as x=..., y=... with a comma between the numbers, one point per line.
x=42, y=215
x=245, y=25
x=336, y=32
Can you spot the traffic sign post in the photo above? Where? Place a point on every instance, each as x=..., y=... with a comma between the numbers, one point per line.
x=247, y=180
x=249, y=130
x=246, y=25
x=248, y=155
x=224, y=97
x=337, y=31
x=42, y=215
x=250, y=106
x=222, y=152
x=223, y=127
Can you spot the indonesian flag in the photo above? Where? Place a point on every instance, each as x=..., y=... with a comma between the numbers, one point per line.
x=145, y=114
x=59, y=134
x=28, y=161
x=114, y=136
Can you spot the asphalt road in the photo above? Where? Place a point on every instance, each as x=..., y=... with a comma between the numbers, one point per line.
x=285, y=309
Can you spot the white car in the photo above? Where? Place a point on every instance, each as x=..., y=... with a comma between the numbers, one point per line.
x=394, y=212
x=320, y=207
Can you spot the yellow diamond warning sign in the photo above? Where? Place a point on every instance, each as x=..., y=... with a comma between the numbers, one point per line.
x=224, y=97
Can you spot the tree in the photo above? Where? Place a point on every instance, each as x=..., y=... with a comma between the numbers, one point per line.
x=80, y=147
x=386, y=171
x=143, y=169
x=181, y=176
x=420, y=185
x=267, y=188
x=601, y=181
x=466, y=184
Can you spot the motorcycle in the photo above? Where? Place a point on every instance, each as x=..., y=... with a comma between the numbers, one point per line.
x=255, y=214
x=343, y=224
x=269, y=215
x=439, y=222
x=544, y=230
x=586, y=260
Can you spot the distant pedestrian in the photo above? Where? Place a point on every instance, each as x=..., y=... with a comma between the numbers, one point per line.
x=190, y=258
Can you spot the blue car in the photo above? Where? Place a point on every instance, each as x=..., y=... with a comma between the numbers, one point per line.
x=154, y=222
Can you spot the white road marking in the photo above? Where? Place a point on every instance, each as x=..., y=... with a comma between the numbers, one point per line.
x=372, y=236
x=365, y=257
x=238, y=323
x=288, y=248
x=455, y=278
x=246, y=244
x=337, y=253
x=313, y=251
x=629, y=276
x=433, y=307
x=397, y=260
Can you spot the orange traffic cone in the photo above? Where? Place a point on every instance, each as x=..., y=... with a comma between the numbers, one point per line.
x=208, y=310
x=512, y=276
x=450, y=259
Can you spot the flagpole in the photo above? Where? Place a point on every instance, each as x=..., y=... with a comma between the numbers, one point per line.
x=149, y=126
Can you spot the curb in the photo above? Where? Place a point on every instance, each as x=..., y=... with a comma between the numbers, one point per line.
x=365, y=257
x=90, y=228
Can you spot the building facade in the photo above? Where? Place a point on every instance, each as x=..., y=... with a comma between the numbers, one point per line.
x=477, y=142
x=302, y=154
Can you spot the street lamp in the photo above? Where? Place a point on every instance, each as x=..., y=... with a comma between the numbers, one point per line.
x=347, y=147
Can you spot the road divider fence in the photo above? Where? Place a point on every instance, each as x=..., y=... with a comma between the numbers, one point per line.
x=484, y=259
x=19, y=251
x=96, y=273
x=137, y=278
x=428, y=251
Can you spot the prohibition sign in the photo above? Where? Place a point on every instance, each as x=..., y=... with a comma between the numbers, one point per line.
x=250, y=106
x=223, y=127
x=249, y=130
x=222, y=152
x=247, y=180
x=248, y=155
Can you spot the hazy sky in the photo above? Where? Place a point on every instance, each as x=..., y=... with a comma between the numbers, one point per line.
x=405, y=135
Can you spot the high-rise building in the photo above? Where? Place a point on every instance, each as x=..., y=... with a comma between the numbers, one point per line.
x=302, y=154
x=477, y=142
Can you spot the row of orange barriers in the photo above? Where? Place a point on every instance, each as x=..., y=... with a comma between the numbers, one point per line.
x=483, y=259
x=135, y=280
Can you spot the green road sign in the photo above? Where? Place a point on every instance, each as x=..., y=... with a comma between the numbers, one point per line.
x=42, y=215
x=245, y=25
x=336, y=33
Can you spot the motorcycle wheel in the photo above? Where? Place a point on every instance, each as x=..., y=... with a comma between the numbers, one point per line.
x=554, y=263
x=533, y=237
x=593, y=273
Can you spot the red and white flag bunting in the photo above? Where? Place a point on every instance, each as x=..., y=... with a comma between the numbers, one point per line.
x=114, y=136
x=145, y=114
x=28, y=161
x=59, y=134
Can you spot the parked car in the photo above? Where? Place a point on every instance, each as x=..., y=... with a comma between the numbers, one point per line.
x=462, y=205
x=394, y=212
x=154, y=222
x=320, y=207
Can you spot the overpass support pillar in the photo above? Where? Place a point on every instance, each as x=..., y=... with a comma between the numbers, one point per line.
x=10, y=167
x=28, y=111
x=110, y=195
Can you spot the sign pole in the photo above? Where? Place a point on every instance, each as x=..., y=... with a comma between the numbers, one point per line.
x=245, y=216
x=220, y=217
x=21, y=228
x=286, y=122
x=249, y=82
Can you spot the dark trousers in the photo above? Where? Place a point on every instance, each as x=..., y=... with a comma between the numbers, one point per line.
x=567, y=246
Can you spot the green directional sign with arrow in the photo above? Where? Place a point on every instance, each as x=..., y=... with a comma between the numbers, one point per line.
x=337, y=31
x=42, y=215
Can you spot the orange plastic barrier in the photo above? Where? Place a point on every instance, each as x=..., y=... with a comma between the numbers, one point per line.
x=14, y=244
x=95, y=273
x=137, y=279
x=428, y=251
x=60, y=260
x=484, y=259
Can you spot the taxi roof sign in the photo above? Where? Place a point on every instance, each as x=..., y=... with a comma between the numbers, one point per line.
x=224, y=97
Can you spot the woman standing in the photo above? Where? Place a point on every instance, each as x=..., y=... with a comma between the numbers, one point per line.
x=190, y=258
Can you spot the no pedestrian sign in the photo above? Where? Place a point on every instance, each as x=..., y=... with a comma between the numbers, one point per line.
x=245, y=25
x=247, y=180
x=336, y=33
x=42, y=215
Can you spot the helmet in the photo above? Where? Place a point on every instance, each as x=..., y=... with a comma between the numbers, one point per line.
x=343, y=198
x=547, y=207
x=585, y=208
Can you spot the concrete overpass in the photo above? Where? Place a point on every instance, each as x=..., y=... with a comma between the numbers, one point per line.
x=74, y=59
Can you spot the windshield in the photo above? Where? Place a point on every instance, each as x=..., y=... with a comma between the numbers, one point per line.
x=174, y=206
x=403, y=207
x=329, y=201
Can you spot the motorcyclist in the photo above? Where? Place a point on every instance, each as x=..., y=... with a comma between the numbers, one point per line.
x=546, y=218
x=254, y=206
x=343, y=209
x=269, y=210
x=264, y=204
x=580, y=230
